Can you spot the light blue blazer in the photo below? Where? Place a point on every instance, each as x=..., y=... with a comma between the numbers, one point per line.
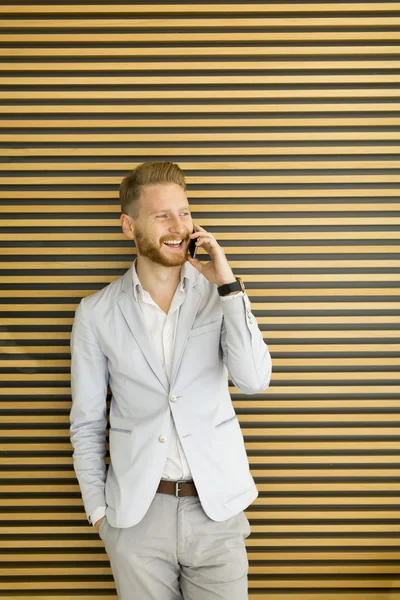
x=110, y=346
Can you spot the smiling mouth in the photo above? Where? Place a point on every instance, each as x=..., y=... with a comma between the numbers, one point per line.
x=175, y=247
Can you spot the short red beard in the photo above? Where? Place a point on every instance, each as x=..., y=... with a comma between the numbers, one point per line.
x=156, y=254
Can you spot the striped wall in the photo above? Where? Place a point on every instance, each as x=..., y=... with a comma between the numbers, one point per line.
x=286, y=120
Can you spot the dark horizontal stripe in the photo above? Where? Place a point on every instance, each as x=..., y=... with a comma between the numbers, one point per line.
x=201, y=87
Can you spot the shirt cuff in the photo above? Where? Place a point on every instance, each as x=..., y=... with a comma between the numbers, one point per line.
x=97, y=514
x=224, y=298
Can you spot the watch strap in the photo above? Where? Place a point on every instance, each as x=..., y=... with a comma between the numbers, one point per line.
x=227, y=288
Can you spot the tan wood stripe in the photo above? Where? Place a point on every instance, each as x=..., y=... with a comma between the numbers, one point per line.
x=231, y=166
x=267, y=235
x=373, y=543
x=216, y=208
x=354, y=136
x=204, y=109
x=355, y=376
x=222, y=36
x=365, y=595
x=273, y=348
x=50, y=446
x=272, y=390
x=300, y=432
x=350, y=501
x=298, y=376
x=318, y=250
x=193, y=94
x=238, y=65
x=244, y=419
x=9, y=477
x=239, y=179
x=113, y=195
x=300, y=569
x=270, y=278
x=256, y=306
x=210, y=79
x=188, y=23
x=239, y=264
x=206, y=222
x=251, y=292
x=318, y=151
x=363, y=7
x=268, y=122
x=212, y=51
x=320, y=569
x=62, y=584
x=264, y=460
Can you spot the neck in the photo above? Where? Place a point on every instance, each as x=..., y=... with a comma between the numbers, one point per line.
x=157, y=279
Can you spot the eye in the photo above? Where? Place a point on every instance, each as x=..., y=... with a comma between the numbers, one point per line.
x=161, y=216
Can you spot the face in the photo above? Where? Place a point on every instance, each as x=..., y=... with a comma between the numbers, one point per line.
x=164, y=216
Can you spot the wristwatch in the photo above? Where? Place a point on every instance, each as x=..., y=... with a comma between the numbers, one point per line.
x=227, y=288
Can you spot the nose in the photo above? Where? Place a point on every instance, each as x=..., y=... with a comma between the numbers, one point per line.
x=176, y=226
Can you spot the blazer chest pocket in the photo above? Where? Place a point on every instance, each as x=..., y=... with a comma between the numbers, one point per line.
x=214, y=325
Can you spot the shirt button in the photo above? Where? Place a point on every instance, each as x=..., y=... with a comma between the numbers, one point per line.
x=162, y=438
x=172, y=398
x=250, y=319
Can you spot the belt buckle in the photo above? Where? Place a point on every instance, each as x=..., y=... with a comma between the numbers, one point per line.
x=177, y=490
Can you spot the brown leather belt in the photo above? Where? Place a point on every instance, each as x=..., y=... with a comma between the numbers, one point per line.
x=178, y=488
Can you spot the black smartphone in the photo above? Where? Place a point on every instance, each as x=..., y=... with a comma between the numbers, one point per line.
x=192, y=246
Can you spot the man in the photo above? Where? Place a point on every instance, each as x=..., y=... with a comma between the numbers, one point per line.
x=164, y=337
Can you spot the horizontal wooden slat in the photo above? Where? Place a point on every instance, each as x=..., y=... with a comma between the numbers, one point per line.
x=200, y=51
x=190, y=108
x=189, y=23
x=362, y=7
x=249, y=250
x=240, y=264
x=212, y=37
x=321, y=136
x=271, y=278
x=312, y=151
x=209, y=222
x=256, y=306
x=231, y=166
x=221, y=208
x=238, y=65
x=205, y=94
x=373, y=78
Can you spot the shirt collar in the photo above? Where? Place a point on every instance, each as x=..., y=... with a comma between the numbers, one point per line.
x=187, y=276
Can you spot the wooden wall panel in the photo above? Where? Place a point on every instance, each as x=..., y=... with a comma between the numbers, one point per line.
x=286, y=120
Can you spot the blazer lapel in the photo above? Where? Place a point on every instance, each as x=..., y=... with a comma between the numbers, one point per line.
x=188, y=311
x=133, y=315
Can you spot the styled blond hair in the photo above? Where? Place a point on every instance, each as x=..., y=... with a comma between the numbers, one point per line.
x=148, y=173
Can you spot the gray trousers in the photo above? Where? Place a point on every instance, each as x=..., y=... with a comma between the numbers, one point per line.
x=176, y=551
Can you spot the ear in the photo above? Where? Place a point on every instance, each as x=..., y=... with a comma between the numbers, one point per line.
x=127, y=225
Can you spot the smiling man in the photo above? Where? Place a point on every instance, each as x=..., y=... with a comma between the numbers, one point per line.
x=164, y=337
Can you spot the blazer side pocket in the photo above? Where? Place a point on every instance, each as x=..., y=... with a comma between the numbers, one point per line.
x=223, y=423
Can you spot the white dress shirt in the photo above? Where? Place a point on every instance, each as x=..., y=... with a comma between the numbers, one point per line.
x=162, y=328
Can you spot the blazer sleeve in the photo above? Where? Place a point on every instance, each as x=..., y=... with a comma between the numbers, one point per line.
x=88, y=416
x=245, y=354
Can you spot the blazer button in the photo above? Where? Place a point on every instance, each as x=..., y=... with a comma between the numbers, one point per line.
x=172, y=398
x=162, y=438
